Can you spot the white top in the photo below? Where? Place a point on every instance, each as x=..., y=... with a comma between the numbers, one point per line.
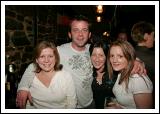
x=78, y=63
x=136, y=85
x=59, y=95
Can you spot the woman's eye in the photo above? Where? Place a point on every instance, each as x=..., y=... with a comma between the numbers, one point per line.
x=111, y=56
x=41, y=57
x=120, y=56
x=51, y=56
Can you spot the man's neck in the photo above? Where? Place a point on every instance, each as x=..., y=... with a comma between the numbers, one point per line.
x=78, y=48
x=141, y=44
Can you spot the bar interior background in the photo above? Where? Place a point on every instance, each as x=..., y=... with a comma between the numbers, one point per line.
x=25, y=25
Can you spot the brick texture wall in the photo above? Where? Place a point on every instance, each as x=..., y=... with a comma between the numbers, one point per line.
x=25, y=26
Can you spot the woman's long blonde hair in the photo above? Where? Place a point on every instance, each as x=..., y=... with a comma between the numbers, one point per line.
x=129, y=54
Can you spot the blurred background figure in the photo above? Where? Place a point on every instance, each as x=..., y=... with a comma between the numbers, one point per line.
x=143, y=34
x=122, y=35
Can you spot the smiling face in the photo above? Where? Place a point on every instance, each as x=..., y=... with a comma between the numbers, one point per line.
x=117, y=58
x=79, y=34
x=98, y=58
x=46, y=59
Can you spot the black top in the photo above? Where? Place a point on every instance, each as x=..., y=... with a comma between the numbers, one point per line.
x=148, y=57
x=100, y=92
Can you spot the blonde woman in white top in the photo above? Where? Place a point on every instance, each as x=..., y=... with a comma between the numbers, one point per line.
x=131, y=91
x=51, y=87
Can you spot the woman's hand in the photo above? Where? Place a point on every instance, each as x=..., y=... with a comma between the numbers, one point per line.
x=113, y=105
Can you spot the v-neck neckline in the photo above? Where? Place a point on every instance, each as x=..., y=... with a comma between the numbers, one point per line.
x=52, y=79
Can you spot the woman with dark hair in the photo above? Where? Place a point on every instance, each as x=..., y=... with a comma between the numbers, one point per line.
x=101, y=85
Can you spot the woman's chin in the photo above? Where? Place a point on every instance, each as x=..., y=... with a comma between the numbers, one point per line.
x=116, y=69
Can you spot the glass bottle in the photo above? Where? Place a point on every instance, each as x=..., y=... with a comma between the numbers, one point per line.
x=10, y=88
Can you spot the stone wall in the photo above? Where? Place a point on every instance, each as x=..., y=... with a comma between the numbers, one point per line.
x=24, y=27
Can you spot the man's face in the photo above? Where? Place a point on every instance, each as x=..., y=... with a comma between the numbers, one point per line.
x=149, y=39
x=122, y=36
x=79, y=33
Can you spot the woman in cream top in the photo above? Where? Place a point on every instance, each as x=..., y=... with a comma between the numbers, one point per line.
x=130, y=90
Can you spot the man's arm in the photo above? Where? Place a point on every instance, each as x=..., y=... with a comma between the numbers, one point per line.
x=139, y=67
x=27, y=78
x=23, y=87
x=21, y=99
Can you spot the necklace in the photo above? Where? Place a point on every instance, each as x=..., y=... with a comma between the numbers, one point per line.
x=99, y=82
x=99, y=78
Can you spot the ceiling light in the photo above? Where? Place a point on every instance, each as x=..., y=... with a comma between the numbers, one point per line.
x=99, y=9
x=99, y=19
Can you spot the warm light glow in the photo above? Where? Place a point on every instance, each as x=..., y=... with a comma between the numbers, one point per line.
x=106, y=34
x=99, y=9
x=98, y=19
